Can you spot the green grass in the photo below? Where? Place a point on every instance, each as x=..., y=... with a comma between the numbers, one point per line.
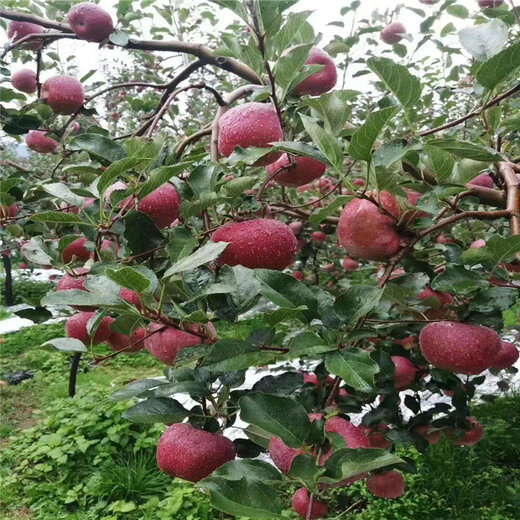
x=78, y=459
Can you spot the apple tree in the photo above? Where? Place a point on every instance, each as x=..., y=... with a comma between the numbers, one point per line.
x=218, y=171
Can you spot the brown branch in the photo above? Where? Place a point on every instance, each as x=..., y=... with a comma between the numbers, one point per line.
x=204, y=53
x=15, y=165
x=507, y=172
x=495, y=101
x=192, y=138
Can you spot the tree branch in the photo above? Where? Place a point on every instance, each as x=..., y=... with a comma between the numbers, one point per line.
x=495, y=101
x=204, y=53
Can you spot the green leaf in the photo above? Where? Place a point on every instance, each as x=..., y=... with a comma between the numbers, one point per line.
x=346, y=463
x=58, y=217
x=130, y=278
x=357, y=302
x=203, y=179
x=160, y=176
x=282, y=417
x=458, y=10
x=36, y=251
x=81, y=298
x=247, y=498
x=283, y=290
x=291, y=30
x=98, y=147
x=120, y=38
x=309, y=344
x=288, y=68
x=332, y=108
x=457, y=279
x=442, y=162
x=326, y=143
x=498, y=68
x=234, y=354
x=354, y=366
x=157, y=409
x=141, y=233
x=193, y=388
x=114, y=171
x=364, y=138
x=503, y=249
x=405, y=87
x=305, y=469
x=207, y=253
x=319, y=215
x=66, y=344
x=135, y=389
x=249, y=469
x=466, y=150
x=63, y=192
x=301, y=149
x=484, y=41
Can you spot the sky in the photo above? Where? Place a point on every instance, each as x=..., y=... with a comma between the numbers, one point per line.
x=88, y=56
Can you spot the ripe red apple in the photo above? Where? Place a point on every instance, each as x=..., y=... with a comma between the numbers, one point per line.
x=166, y=344
x=389, y=484
x=296, y=227
x=349, y=264
x=281, y=455
x=471, y=435
x=250, y=124
x=431, y=436
x=38, y=141
x=76, y=327
x=76, y=249
x=484, y=180
x=131, y=297
x=162, y=205
x=393, y=33
x=313, y=380
x=18, y=30
x=132, y=343
x=90, y=22
x=506, y=357
x=353, y=435
x=259, y=243
x=459, y=347
x=321, y=81
x=24, y=80
x=376, y=438
x=192, y=454
x=69, y=282
x=477, y=244
x=365, y=232
x=490, y=3
x=301, y=501
x=443, y=239
x=443, y=298
x=8, y=211
x=298, y=275
x=64, y=94
x=405, y=372
x=318, y=237
x=298, y=170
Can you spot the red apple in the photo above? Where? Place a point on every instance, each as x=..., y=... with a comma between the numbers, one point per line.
x=76, y=249
x=484, y=180
x=24, y=80
x=192, y=454
x=459, y=347
x=18, y=30
x=404, y=373
x=250, y=124
x=76, y=327
x=297, y=171
x=162, y=205
x=468, y=436
x=389, y=484
x=259, y=243
x=64, y=94
x=131, y=344
x=321, y=81
x=38, y=141
x=393, y=33
x=506, y=357
x=90, y=22
x=300, y=504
